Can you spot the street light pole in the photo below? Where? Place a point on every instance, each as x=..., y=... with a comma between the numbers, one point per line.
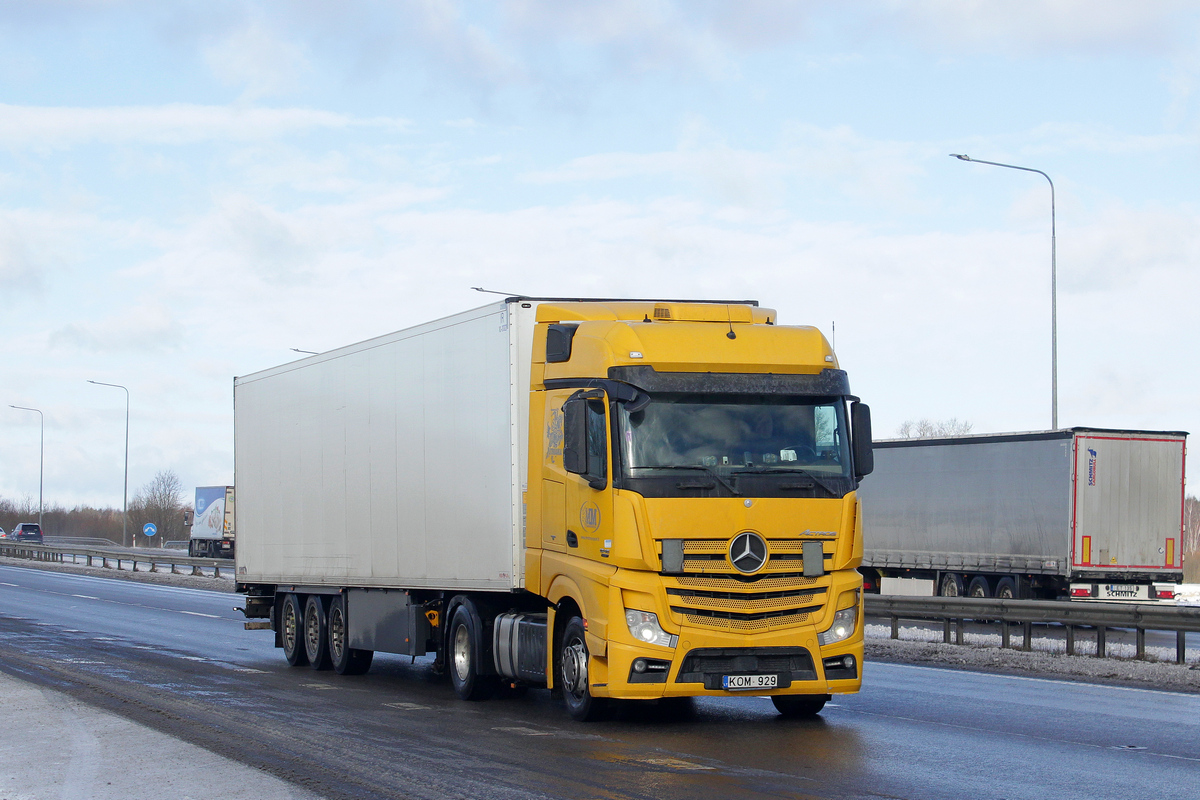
x=1053, y=284
x=125, y=500
x=41, y=463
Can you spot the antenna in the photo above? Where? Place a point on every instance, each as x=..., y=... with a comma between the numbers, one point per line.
x=493, y=291
x=834, y=325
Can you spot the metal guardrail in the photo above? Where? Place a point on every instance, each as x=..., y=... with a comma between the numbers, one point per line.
x=117, y=556
x=955, y=611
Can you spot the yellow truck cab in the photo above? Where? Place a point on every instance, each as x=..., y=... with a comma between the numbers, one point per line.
x=682, y=516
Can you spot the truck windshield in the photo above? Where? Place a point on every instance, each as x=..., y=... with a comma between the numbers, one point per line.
x=731, y=442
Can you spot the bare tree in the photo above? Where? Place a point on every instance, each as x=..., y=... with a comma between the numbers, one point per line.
x=160, y=501
x=931, y=429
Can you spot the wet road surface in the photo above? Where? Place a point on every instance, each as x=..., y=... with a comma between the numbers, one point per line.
x=179, y=661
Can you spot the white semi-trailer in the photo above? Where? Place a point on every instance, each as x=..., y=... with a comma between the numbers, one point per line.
x=1087, y=513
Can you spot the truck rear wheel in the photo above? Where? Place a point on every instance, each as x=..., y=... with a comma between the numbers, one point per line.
x=951, y=585
x=290, y=624
x=316, y=636
x=799, y=705
x=1006, y=588
x=979, y=587
x=346, y=660
x=464, y=664
x=573, y=674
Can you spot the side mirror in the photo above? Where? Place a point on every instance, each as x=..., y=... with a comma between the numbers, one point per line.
x=575, y=435
x=860, y=423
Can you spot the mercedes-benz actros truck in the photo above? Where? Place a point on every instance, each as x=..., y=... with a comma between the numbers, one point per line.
x=617, y=499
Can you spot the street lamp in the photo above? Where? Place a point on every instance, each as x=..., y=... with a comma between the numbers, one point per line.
x=1053, y=285
x=41, y=462
x=125, y=500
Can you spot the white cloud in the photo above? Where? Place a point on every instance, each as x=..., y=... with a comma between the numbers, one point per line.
x=146, y=327
x=1045, y=27
x=254, y=58
x=41, y=127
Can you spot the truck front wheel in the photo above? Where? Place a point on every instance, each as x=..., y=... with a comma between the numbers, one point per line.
x=573, y=674
x=289, y=631
x=799, y=705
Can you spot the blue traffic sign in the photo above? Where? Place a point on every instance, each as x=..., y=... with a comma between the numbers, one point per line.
x=149, y=529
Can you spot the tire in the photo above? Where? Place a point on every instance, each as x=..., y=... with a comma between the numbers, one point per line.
x=798, y=706
x=573, y=674
x=345, y=660
x=951, y=585
x=291, y=631
x=979, y=587
x=1006, y=589
x=316, y=633
x=463, y=658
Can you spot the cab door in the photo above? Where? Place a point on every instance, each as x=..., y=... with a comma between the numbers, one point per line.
x=588, y=499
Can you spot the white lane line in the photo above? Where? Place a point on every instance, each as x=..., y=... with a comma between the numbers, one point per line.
x=525, y=731
x=317, y=686
x=10, y=584
x=1059, y=681
x=85, y=596
x=196, y=614
x=407, y=706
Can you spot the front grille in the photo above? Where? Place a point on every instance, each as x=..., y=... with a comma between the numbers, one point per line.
x=709, y=665
x=712, y=555
x=745, y=622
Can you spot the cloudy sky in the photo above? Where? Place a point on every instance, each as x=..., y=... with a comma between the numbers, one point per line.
x=190, y=189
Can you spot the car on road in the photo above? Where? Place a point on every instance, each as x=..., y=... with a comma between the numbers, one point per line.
x=26, y=532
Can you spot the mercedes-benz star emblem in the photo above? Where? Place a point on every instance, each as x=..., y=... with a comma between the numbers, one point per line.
x=748, y=552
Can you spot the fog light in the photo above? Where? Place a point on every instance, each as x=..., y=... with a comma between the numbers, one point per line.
x=848, y=662
x=639, y=665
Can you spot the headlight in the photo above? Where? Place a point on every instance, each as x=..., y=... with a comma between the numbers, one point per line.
x=644, y=627
x=843, y=625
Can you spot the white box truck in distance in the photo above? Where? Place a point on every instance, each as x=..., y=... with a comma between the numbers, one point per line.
x=1085, y=513
x=611, y=499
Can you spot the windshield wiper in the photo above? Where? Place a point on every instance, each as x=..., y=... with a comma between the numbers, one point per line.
x=763, y=470
x=700, y=467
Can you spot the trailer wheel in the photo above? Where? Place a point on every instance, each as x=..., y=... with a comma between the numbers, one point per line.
x=316, y=636
x=346, y=660
x=290, y=625
x=465, y=675
x=573, y=674
x=951, y=585
x=1006, y=588
x=799, y=705
x=979, y=587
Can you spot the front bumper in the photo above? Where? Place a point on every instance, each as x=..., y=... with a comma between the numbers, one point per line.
x=702, y=659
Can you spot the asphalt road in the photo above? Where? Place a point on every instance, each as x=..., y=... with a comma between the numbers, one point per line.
x=179, y=661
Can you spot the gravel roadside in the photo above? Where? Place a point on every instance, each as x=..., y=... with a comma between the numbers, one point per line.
x=980, y=654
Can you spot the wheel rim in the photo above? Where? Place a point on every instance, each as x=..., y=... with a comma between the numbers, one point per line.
x=1005, y=593
x=462, y=653
x=312, y=633
x=949, y=587
x=574, y=663
x=337, y=633
x=289, y=627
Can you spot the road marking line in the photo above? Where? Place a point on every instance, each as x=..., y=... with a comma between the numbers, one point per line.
x=407, y=706
x=672, y=763
x=10, y=584
x=317, y=686
x=85, y=596
x=194, y=613
x=525, y=731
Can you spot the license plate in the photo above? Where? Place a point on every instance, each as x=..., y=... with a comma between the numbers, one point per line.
x=1125, y=591
x=738, y=683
